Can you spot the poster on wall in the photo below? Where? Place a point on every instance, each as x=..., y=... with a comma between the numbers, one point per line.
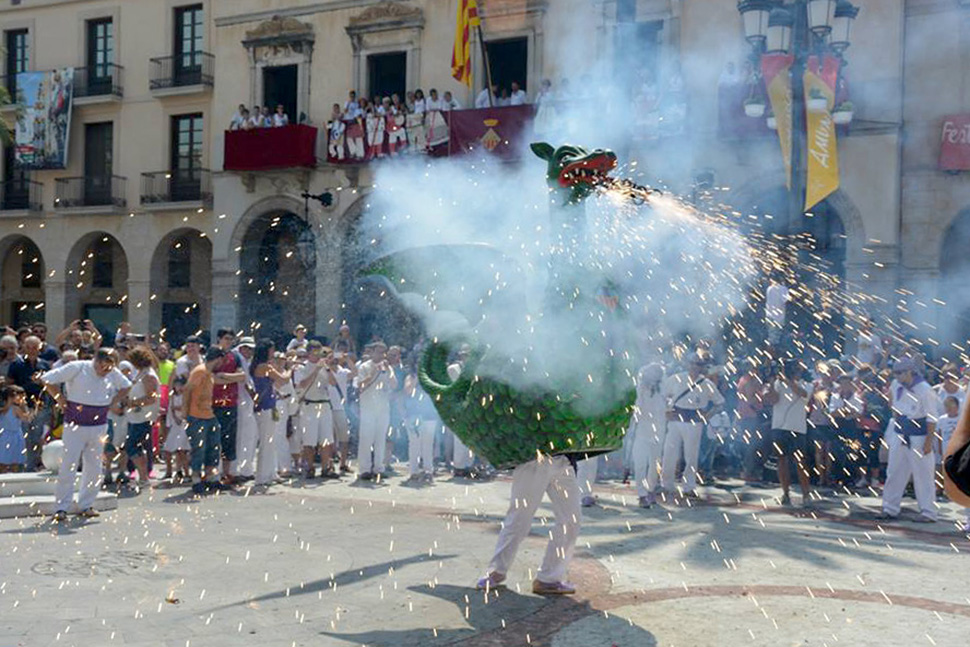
x=44, y=119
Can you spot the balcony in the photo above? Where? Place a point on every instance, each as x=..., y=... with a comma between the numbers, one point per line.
x=21, y=195
x=93, y=191
x=98, y=83
x=176, y=188
x=183, y=74
x=264, y=149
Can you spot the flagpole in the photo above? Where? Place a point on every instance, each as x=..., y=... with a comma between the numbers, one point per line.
x=488, y=66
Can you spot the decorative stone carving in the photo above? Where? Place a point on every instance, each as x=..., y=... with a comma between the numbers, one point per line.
x=280, y=28
x=393, y=12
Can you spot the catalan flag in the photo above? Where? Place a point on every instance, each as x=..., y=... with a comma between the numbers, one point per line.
x=461, y=55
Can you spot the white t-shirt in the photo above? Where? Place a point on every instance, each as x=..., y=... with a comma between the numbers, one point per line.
x=296, y=343
x=280, y=120
x=316, y=391
x=147, y=413
x=868, y=348
x=481, y=101
x=184, y=366
x=339, y=396
x=682, y=394
x=791, y=411
x=378, y=393
x=517, y=98
x=85, y=385
x=943, y=394
x=776, y=298
x=916, y=402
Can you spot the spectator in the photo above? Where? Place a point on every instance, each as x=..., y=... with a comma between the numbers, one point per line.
x=375, y=382
x=449, y=103
x=14, y=413
x=47, y=352
x=789, y=396
x=143, y=410
x=517, y=97
x=299, y=338
x=280, y=118
x=351, y=108
x=121, y=335
x=265, y=118
x=420, y=104
x=240, y=118
x=256, y=120
x=203, y=425
x=486, y=98
x=25, y=372
x=228, y=373
x=266, y=378
x=433, y=102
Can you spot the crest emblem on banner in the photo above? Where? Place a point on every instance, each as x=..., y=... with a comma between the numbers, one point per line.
x=490, y=140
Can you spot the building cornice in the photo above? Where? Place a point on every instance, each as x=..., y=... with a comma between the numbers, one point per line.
x=929, y=7
x=292, y=12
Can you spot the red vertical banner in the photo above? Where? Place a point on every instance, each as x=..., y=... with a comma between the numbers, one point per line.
x=775, y=69
x=822, y=146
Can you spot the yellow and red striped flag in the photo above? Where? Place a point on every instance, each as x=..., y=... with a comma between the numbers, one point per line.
x=461, y=55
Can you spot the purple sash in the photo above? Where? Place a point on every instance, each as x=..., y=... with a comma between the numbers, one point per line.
x=85, y=415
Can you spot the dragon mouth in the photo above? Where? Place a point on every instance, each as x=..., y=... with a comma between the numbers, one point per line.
x=590, y=170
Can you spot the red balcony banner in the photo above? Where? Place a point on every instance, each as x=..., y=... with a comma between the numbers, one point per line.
x=955, y=143
x=269, y=148
x=776, y=70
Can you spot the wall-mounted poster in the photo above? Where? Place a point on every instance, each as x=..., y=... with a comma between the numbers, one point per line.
x=44, y=120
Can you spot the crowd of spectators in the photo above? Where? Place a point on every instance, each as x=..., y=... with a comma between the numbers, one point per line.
x=238, y=410
x=259, y=118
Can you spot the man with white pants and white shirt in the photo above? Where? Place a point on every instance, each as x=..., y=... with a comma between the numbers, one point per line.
x=650, y=432
x=915, y=408
x=375, y=381
x=555, y=477
x=94, y=386
x=247, y=432
x=691, y=400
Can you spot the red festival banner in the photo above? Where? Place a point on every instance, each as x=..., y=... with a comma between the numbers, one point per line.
x=498, y=131
x=775, y=68
x=823, y=153
x=955, y=143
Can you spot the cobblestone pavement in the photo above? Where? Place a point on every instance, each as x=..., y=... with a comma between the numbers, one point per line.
x=352, y=564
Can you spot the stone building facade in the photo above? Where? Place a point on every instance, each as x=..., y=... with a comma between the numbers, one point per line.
x=243, y=247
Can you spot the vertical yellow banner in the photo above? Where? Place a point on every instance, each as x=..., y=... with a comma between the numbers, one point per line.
x=822, y=152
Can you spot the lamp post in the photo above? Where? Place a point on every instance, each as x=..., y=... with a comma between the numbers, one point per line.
x=801, y=28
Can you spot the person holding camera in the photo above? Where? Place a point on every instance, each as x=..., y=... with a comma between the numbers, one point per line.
x=788, y=396
x=375, y=381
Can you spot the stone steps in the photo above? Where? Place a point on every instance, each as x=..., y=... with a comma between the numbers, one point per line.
x=32, y=494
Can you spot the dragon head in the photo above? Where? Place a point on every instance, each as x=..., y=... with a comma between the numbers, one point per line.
x=574, y=171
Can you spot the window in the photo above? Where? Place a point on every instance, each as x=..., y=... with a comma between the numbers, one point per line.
x=180, y=263
x=29, y=267
x=188, y=40
x=101, y=55
x=279, y=86
x=509, y=61
x=98, y=162
x=186, y=157
x=387, y=74
x=102, y=259
x=18, y=57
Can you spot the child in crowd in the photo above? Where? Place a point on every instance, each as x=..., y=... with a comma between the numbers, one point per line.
x=177, y=441
x=13, y=412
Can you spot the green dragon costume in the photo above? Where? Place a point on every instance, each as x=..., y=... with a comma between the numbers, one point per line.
x=507, y=424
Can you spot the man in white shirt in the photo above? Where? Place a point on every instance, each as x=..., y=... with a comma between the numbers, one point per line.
x=517, y=97
x=950, y=386
x=789, y=396
x=280, y=118
x=94, y=386
x=869, y=346
x=247, y=431
x=351, y=108
x=433, y=101
x=340, y=379
x=776, y=301
x=238, y=120
x=910, y=437
x=316, y=410
x=299, y=338
x=692, y=399
x=486, y=99
x=375, y=381
x=449, y=103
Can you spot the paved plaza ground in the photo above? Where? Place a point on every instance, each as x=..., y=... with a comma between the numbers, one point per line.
x=353, y=564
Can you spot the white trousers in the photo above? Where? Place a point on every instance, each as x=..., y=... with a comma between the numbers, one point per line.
x=905, y=463
x=85, y=445
x=317, y=418
x=648, y=446
x=553, y=476
x=284, y=460
x=586, y=472
x=463, y=458
x=375, y=423
x=267, y=459
x=421, y=446
x=247, y=435
x=686, y=437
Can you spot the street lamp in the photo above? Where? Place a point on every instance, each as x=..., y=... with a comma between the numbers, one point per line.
x=799, y=28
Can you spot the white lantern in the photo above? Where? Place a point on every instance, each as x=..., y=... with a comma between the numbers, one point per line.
x=821, y=13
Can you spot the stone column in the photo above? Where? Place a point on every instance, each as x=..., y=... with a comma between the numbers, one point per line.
x=139, y=305
x=329, y=275
x=55, y=303
x=225, y=285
